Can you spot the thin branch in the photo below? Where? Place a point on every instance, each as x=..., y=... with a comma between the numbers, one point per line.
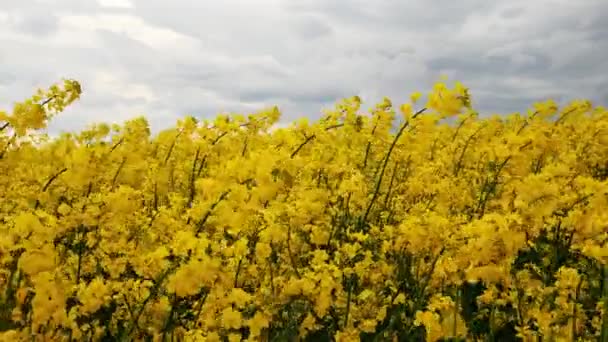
x=192, y=191
x=172, y=147
x=558, y=121
x=308, y=139
x=386, y=159
x=55, y=176
x=348, y=300
x=458, y=165
x=201, y=223
x=291, y=257
x=122, y=164
x=48, y=100
x=118, y=143
x=526, y=123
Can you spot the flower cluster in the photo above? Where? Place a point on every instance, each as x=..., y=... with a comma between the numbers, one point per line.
x=450, y=226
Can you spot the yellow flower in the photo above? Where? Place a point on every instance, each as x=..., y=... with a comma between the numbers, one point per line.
x=322, y=303
x=347, y=335
x=231, y=319
x=319, y=236
x=213, y=337
x=368, y=325
x=183, y=283
x=94, y=295
x=234, y=337
x=239, y=297
x=37, y=261
x=258, y=322
x=21, y=295
x=415, y=96
x=117, y=214
x=406, y=110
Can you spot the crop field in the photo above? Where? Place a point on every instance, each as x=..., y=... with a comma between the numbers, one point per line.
x=399, y=222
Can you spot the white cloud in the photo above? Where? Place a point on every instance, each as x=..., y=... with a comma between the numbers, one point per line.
x=116, y=4
x=165, y=59
x=106, y=81
x=133, y=27
x=4, y=17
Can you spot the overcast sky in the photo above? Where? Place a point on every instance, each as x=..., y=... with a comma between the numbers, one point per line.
x=169, y=58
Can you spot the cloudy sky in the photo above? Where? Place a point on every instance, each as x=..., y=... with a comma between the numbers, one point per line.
x=169, y=58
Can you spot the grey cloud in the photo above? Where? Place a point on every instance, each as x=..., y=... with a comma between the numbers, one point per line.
x=603, y=98
x=100, y=100
x=305, y=55
x=323, y=93
x=141, y=62
x=497, y=66
x=258, y=94
x=123, y=46
x=597, y=27
x=390, y=14
x=512, y=12
x=7, y=78
x=49, y=6
x=310, y=27
x=505, y=104
x=37, y=22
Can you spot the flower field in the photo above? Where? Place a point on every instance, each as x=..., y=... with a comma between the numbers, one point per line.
x=404, y=222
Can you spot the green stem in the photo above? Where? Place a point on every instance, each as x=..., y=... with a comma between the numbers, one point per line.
x=385, y=163
x=574, y=309
x=167, y=326
x=290, y=253
x=604, y=336
x=456, y=308
x=492, y=323
x=348, y=300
